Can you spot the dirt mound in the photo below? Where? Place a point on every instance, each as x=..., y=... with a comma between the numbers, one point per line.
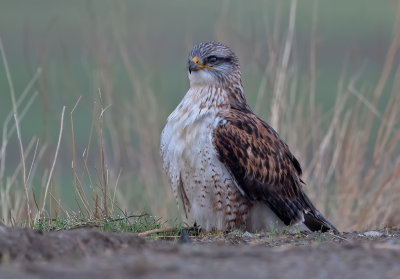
x=89, y=253
x=29, y=245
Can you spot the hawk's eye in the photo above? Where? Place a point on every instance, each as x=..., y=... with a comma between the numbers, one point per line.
x=212, y=59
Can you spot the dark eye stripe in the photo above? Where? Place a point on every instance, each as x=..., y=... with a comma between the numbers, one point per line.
x=225, y=59
x=218, y=60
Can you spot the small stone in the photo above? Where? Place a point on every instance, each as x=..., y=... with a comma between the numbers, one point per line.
x=247, y=234
x=373, y=234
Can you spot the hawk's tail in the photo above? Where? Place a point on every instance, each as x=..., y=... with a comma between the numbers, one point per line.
x=316, y=222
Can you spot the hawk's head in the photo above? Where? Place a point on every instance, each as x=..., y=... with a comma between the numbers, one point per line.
x=213, y=63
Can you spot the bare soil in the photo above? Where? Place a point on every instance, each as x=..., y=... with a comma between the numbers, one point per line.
x=90, y=253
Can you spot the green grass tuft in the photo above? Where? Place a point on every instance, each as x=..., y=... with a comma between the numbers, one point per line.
x=133, y=224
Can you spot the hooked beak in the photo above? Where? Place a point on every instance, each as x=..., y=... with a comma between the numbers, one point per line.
x=194, y=65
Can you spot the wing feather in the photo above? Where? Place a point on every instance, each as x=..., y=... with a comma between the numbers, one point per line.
x=263, y=166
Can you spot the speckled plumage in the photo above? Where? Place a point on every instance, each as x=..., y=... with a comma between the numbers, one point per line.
x=229, y=168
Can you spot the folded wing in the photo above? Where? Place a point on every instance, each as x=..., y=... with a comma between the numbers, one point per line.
x=264, y=168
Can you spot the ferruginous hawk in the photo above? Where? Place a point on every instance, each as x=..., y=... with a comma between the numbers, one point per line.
x=230, y=169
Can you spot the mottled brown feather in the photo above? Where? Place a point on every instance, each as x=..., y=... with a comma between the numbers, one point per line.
x=263, y=166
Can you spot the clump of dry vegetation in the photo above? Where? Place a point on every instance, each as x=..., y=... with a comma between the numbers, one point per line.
x=350, y=154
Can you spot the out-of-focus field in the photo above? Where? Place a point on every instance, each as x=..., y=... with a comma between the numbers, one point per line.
x=119, y=67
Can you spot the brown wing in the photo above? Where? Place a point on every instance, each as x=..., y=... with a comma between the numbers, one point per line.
x=264, y=168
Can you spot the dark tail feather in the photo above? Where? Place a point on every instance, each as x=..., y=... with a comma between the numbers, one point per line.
x=316, y=222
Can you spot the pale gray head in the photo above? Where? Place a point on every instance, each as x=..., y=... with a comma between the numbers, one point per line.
x=213, y=63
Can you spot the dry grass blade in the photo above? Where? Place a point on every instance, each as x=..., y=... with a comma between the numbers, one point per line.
x=33, y=162
x=103, y=170
x=281, y=76
x=23, y=166
x=156, y=231
x=78, y=187
x=115, y=191
x=8, y=74
x=54, y=163
x=14, y=103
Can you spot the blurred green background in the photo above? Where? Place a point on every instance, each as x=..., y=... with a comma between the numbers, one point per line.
x=80, y=47
x=59, y=36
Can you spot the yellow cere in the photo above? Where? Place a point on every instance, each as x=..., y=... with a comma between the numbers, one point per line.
x=195, y=60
